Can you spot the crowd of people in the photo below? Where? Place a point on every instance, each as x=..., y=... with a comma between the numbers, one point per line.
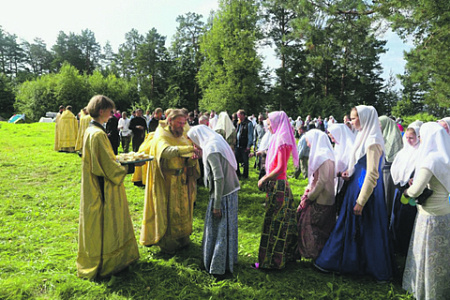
x=375, y=190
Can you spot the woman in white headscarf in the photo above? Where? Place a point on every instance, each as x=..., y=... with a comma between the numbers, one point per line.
x=279, y=235
x=445, y=122
x=343, y=139
x=392, y=144
x=359, y=243
x=226, y=129
x=317, y=212
x=220, y=237
x=426, y=273
x=402, y=170
x=262, y=152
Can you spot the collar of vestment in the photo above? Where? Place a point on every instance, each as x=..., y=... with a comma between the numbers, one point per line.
x=97, y=124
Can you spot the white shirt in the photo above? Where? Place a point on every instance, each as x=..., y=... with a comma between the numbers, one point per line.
x=124, y=126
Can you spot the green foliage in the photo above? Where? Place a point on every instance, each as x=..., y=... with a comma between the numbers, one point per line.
x=35, y=98
x=426, y=77
x=329, y=56
x=424, y=117
x=39, y=228
x=68, y=87
x=71, y=88
x=6, y=97
x=228, y=76
x=81, y=51
x=183, y=90
x=404, y=107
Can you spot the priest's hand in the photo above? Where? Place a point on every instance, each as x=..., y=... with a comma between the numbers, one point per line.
x=139, y=164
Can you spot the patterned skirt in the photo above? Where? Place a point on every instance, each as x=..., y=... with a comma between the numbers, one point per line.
x=220, y=236
x=315, y=224
x=279, y=236
x=427, y=274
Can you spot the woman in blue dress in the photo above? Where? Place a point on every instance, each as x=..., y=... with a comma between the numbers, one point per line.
x=359, y=244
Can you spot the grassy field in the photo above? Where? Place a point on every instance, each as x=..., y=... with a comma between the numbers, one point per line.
x=40, y=194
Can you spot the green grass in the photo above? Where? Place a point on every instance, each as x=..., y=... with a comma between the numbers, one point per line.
x=40, y=194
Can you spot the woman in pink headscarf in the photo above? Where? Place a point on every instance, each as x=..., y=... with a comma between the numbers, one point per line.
x=279, y=237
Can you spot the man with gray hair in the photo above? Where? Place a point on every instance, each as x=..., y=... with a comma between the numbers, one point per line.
x=171, y=187
x=204, y=120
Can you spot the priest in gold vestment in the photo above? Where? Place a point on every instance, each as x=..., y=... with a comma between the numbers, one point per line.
x=106, y=239
x=66, y=130
x=58, y=116
x=84, y=124
x=171, y=187
x=139, y=177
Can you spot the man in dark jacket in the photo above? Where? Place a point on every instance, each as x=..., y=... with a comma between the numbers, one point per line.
x=154, y=122
x=244, y=142
x=113, y=132
x=139, y=127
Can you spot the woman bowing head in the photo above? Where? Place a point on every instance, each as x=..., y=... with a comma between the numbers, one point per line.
x=220, y=237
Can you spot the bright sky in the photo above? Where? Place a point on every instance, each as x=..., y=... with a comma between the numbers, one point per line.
x=109, y=20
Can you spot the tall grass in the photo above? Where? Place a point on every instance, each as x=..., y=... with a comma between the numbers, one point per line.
x=40, y=194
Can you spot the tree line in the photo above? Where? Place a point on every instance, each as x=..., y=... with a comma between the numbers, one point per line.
x=329, y=54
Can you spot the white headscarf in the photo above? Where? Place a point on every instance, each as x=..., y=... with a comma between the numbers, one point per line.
x=224, y=122
x=211, y=142
x=298, y=122
x=405, y=160
x=265, y=141
x=320, y=151
x=213, y=122
x=345, y=139
x=369, y=134
x=434, y=152
x=416, y=123
x=446, y=120
x=282, y=135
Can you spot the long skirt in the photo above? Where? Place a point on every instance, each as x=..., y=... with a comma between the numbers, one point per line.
x=427, y=273
x=279, y=236
x=389, y=187
x=402, y=223
x=220, y=236
x=360, y=245
x=315, y=224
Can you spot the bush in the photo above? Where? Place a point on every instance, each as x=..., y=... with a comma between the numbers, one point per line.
x=68, y=87
x=424, y=117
